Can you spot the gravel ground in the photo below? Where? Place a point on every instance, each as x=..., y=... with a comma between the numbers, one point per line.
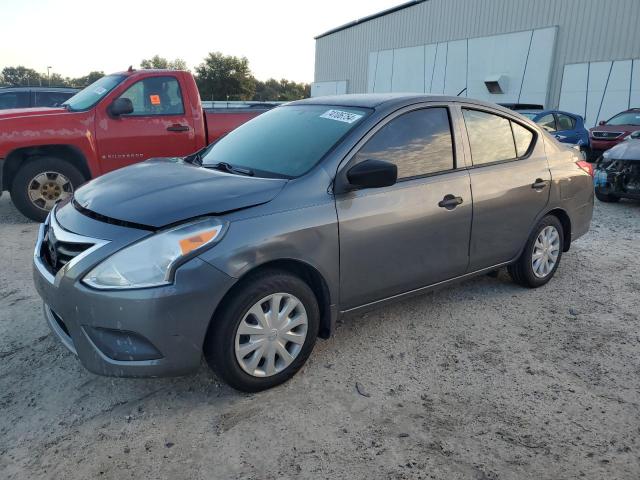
x=485, y=380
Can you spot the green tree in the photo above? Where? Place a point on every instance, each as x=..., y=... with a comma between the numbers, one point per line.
x=86, y=80
x=283, y=90
x=22, y=77
x=160, y=62
x=222, y=77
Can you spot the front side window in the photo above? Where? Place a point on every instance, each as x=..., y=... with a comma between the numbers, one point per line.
x=88, y=97
x=287, y=141
x=548, y=122
x=494, y=138
x=50, y=99
x=155, y=96
x=418, y=142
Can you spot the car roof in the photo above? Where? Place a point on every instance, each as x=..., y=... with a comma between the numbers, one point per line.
x=39, y=89
x=376, y=100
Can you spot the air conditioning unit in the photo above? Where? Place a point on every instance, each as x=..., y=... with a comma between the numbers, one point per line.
x=496, y=83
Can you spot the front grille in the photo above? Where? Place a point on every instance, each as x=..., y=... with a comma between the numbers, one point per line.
x=606, y=135
x=56, y=254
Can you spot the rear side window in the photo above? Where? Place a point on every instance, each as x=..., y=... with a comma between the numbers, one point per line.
x=494, y=138
x=548, y=122
x=155, y=96
x=565, y=122
x=418, y=142
x=14, y=100
x=522, y=138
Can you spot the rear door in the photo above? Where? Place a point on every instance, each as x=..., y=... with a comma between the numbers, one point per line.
x=510, y=180
x=566, y=129
x=398, y=238
x=158, y=127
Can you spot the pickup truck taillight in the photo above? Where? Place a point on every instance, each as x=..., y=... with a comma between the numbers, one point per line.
x=586, y=166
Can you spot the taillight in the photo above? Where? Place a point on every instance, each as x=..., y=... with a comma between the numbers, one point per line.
x=586, y=166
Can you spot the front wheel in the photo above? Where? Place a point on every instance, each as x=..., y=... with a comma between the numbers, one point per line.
x=42, y=182
x=541, y=255
x=264, y=332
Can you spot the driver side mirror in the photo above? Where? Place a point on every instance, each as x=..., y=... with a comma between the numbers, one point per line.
x=372, y=174
x=120, y=106
x=602, y=122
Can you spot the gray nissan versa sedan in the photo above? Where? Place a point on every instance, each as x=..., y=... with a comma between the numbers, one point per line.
x=250, y=249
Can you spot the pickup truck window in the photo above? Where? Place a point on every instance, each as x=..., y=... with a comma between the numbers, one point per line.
x=155, y=96
x=88, y=97
x=287, y=141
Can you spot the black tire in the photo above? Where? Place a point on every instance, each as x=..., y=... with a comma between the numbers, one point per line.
x=28, y=171
x=522, y=270
x=219, y=345
x=606, y=197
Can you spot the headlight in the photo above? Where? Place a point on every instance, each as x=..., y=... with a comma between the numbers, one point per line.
x=151, y=261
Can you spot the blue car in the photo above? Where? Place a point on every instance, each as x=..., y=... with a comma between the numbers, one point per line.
x=566, y=127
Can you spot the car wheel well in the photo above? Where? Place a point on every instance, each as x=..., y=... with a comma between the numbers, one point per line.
x=305, y=272
x=16, y=159
x=566, y=226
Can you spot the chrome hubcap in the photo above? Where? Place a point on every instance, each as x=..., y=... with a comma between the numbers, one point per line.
x=545, y=252
x=271, y=335
x=46, y=188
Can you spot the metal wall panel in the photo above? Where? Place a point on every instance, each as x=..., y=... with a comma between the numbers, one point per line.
x=588, y=31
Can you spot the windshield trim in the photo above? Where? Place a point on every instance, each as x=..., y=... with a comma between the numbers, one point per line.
x=120, y=77
x=269, y=174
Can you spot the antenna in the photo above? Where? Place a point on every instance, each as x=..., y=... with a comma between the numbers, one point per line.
x=461, y=91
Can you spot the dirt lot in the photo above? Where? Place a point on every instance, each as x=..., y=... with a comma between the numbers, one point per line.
x=482, y=381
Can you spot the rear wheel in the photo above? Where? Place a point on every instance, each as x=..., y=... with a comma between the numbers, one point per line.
x=541, y=255
x=42, y=182
x=606, y=197
x=264, y=332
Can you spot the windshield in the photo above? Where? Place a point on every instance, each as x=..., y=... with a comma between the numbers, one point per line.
x=529, y=115
x=91, y=95
x=625, y=118
x=287, y=141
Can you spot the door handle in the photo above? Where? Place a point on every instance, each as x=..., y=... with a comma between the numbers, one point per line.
x=176, y=127
x=539, y=184
x=450, y=202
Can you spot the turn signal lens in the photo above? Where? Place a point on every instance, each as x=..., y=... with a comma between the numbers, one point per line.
x=190, y=244
x=586, y=166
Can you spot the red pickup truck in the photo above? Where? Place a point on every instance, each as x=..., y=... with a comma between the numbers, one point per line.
x=127, y=117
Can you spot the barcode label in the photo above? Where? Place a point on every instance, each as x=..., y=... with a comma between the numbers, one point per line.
x=341, y=116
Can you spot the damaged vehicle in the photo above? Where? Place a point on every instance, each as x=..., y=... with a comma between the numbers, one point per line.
x=249, y=250
x=617, y=174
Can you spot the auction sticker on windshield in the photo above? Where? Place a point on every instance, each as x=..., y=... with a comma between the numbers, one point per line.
x=341, y=116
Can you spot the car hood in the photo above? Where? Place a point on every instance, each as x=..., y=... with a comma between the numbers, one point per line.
x=30, y=112
x=160, y=192
x=627, y=129
x=628, y=150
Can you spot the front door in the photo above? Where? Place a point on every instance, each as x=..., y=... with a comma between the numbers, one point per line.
x=416, y=232
x=158, y=126
x=510, y=180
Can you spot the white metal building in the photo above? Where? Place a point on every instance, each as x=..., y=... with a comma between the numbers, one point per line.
x=582, y=56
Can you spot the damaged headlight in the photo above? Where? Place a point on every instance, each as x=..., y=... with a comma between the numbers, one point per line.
x=151, y=262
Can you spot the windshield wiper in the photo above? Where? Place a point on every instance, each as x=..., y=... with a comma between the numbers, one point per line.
x=227, y=167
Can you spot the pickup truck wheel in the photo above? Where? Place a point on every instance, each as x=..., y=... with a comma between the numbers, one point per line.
x=606, y=197
x=541, y=255
x=264, y=332
x=42, y=182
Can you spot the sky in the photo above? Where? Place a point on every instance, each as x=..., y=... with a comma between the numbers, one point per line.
x=75, y=37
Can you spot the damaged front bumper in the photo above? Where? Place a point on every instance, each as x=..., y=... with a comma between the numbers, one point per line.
x=131, y=333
